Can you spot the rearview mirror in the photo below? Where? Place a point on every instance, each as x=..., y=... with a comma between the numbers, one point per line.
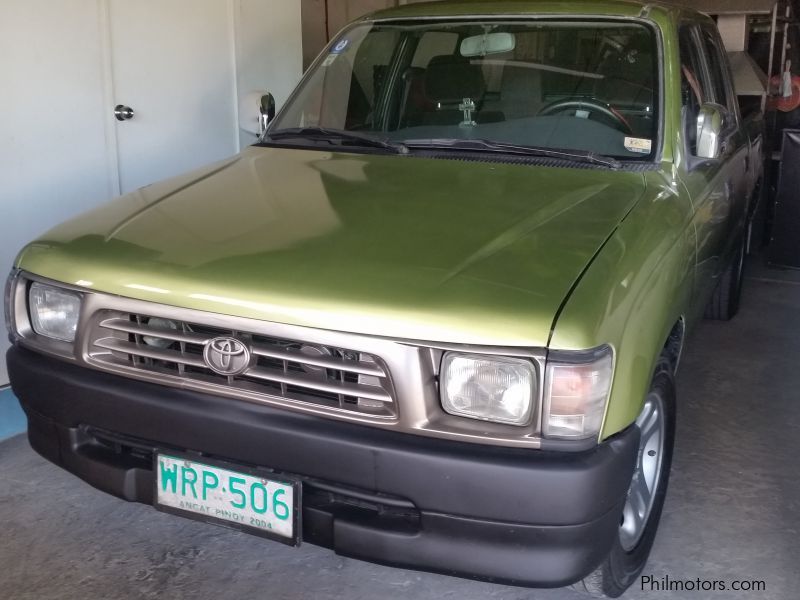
x=256, y=112
x=488, y=43
x=710, y=121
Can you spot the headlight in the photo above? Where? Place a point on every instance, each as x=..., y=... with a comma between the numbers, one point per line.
x=576, y=394
x=8, y=302
x=489, y=388
x=54, y=312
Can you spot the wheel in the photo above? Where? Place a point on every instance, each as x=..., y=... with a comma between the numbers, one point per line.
x=642, y=511
x=724, y=303
x=591, y=105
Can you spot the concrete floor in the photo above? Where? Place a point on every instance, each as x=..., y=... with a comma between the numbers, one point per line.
x=12, y=419
x=732, y=513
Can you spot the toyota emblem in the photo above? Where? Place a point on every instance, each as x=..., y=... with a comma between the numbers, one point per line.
x=227, y=356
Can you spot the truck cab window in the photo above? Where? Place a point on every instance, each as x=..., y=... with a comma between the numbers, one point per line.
x=718, y=72
x=694, y=89
x=570, y=84
x=345, y=92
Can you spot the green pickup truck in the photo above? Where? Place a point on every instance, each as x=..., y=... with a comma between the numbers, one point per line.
x=432, y=318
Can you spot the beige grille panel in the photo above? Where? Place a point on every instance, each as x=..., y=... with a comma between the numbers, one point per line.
x=315, y=374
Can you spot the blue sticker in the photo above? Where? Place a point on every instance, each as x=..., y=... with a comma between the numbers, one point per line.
x=340, y=47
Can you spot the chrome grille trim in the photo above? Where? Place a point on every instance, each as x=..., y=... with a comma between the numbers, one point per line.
x=136, y=350
x=411, y=365
x=360, y=367
x=171, y=334
x=359, y=391
x=334, y=378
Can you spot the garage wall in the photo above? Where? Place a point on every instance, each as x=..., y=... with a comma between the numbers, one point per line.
x=269, y=49
x=58, y=154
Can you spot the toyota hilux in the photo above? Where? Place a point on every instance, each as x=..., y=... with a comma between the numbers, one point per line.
x=432, y=318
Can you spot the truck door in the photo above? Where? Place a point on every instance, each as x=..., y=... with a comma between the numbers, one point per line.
x=736, y=151
x=715, y=186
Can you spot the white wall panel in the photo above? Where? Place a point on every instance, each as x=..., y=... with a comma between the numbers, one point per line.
x=172, y=61
x=53, y=157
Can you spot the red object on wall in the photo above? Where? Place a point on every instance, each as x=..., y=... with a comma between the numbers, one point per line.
x=779, y=102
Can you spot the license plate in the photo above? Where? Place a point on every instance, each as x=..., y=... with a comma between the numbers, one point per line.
x=268, y=507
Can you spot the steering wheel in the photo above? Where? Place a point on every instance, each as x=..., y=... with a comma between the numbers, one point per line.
x=591, y=105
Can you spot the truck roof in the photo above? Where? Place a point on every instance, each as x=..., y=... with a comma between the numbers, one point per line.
x=446, y=8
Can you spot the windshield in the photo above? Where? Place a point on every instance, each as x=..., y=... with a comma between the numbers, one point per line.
x=585, y=86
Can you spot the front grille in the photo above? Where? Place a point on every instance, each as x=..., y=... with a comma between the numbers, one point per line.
x=293, y=370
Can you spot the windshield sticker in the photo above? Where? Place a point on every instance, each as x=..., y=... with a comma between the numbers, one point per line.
x=329, y=60
x=340, y=47
x=638, y=145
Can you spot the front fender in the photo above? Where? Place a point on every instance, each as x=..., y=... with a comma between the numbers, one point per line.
x=631, y=296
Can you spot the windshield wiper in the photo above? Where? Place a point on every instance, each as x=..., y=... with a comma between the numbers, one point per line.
x=479, y=145
x=324, y=134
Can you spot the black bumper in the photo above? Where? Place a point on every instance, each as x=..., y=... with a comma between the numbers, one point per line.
x=516, y=516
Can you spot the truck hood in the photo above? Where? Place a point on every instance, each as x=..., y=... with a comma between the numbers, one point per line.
x=415, y=248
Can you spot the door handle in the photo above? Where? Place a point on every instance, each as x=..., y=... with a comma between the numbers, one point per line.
x=122, y=112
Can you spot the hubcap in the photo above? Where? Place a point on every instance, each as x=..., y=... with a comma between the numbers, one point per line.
x=647, y=474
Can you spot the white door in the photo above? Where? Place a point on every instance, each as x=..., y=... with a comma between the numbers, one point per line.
x=179, y=64
x=173, y=64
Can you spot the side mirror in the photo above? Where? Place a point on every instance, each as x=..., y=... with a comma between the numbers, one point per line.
x=266, y=113
x=256, y=112
x=710, y=122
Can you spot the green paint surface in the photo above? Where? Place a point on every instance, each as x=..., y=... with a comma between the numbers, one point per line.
x=433, y=250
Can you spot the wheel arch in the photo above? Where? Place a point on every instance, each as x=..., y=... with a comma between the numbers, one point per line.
x=637, y=298
x=673, y=347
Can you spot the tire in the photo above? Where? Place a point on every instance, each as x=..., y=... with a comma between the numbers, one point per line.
x=756, y=224
x=629, y=553
x=724, y=303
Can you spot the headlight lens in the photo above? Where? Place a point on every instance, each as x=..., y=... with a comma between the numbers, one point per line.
x=489, y=388
x=576, y=395
x=54, y=312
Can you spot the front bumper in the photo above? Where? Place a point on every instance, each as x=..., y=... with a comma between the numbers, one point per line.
x=518, y=516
